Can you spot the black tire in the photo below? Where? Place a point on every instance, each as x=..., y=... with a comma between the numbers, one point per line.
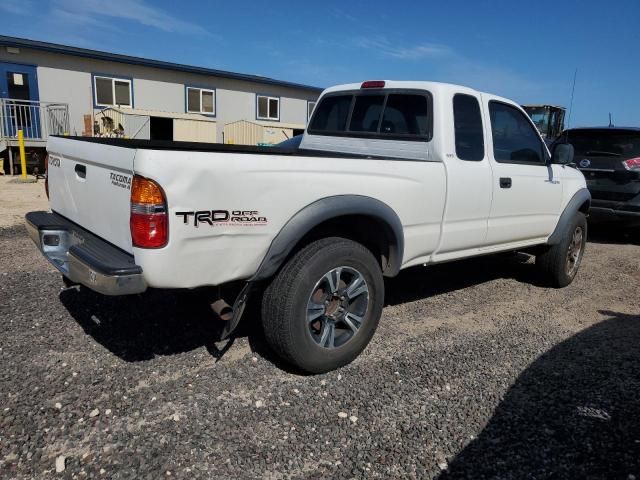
x=560, y=263
x=287, y=300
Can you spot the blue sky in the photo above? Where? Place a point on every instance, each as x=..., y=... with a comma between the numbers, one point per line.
x=524, y=50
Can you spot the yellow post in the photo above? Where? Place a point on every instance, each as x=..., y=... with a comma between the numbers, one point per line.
x=23, y=159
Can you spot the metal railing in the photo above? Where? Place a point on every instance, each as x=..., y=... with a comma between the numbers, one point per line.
x=36, y=119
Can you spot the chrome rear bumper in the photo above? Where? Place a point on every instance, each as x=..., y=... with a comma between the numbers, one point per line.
x=83, y=257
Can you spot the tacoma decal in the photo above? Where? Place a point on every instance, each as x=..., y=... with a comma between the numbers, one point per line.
x=223, y=217
x=119, y=180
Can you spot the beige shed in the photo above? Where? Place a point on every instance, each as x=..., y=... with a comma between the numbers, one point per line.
x=244, y=132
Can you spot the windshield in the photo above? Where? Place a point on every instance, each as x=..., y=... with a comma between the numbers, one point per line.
x=539, y=116
x=604, y=143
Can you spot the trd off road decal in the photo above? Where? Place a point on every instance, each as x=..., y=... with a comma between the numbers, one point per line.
x=246, y=218
x=119, y=180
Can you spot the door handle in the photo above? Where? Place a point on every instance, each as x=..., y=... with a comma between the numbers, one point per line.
x=81, y=171
x=505, y=182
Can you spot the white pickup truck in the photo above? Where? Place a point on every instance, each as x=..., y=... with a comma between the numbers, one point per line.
x=388, y=175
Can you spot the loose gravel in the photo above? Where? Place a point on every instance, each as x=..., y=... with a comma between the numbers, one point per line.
x=477, y=371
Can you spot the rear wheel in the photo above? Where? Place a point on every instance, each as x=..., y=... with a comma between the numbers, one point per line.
x=323, y=307
x=561, y=262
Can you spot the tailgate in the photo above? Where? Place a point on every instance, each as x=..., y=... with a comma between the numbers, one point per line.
x=89, y=183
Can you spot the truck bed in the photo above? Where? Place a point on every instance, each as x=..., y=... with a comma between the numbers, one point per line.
x=218, y=147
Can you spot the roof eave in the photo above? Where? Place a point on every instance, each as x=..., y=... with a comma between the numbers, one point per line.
x=117, y=57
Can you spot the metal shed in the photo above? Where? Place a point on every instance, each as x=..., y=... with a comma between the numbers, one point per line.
x=244, y=132
x=154, y=125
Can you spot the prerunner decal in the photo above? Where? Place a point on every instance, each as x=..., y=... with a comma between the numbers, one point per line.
x=223, y=217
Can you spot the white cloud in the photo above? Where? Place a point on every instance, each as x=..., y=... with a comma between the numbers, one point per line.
x=447, y=65
x=94, y=12
x=401, y=52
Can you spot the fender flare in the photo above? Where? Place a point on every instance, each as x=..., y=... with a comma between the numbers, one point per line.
x=578, y=199
x=326, y=209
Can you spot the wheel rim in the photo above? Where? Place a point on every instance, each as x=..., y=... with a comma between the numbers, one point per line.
x=574, y=252
x=337, y=307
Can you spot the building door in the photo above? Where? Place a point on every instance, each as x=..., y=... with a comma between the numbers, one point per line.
x=19, y=91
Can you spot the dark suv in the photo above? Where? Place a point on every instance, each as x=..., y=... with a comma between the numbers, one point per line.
x=609, y=158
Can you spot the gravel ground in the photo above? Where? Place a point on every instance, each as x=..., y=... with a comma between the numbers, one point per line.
x=17, y=198
x=476, y=372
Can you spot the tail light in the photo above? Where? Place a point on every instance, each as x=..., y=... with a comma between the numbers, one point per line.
x=149, y=223
x=46, y=175
x=632, y=164
x=373, y=84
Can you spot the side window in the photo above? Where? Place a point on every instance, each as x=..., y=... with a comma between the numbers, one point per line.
x=268, y=108
x=331, y=114
x=366, y=113
x=110, y=91
x=201, y=100
x=515, y=140
x=467, y=123
x=405, y=115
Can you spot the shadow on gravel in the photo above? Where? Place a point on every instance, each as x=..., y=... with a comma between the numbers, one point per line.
x=574, y=413
x=422, y=282
x=613, y=233
x=139, y=327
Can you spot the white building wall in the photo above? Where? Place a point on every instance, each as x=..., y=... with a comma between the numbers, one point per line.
x=158, y=95
x=293, y=110
x=67, y=86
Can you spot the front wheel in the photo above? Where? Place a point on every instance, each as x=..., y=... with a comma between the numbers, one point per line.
x=321, y=310
x=561, y=262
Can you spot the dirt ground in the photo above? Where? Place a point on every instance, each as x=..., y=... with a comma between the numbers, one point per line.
x=18, y=198
x=477, y=370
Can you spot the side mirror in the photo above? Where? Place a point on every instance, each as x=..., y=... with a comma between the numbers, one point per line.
x=563, y=154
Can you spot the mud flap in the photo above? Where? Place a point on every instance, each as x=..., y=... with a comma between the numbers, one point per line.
x=238, y=309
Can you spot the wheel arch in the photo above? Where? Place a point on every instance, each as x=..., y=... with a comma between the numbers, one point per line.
x=364, y=219
x=580, y=202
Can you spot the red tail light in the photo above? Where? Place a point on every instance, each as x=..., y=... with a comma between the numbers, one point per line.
x=46, y=175
x=632, y=164
x=373, y=84
x=149, y=223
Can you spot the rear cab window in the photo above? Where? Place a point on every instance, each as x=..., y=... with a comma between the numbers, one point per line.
x=383, y=114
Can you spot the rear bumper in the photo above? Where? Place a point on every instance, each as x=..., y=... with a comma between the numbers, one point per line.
x=602, y=213
x=628, y=211
x=83, y=257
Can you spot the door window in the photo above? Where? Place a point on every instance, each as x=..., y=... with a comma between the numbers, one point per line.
x=515, y=140
x=18, y=86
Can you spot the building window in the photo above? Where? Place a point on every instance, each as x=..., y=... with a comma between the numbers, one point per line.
x=310, y=107
x=268, y=108
x=201, y=100
x=110, y=91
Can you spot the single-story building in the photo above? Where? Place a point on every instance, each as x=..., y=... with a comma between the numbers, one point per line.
x=48, y=88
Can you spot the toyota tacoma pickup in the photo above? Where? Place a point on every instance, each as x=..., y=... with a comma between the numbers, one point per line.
x=388, y=175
